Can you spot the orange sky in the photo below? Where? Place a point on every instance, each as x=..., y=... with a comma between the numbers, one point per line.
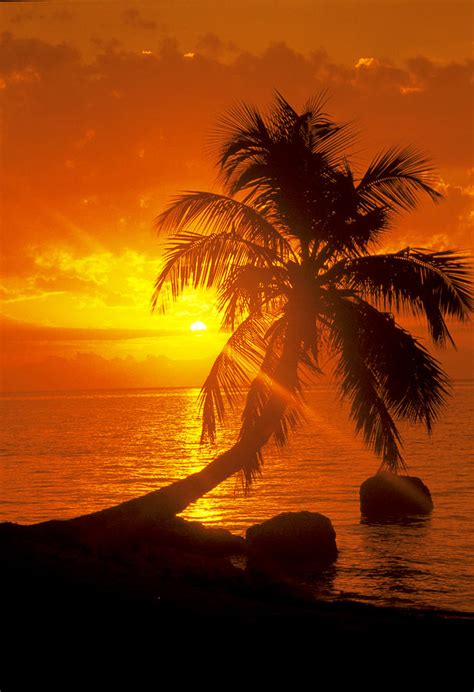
x=107, y=108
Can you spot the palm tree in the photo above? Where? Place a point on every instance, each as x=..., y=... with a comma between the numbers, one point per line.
x=289, y=247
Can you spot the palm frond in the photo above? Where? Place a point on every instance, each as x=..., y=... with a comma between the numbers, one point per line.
x=386, y=372
x=252, y=289
x=203, y=261
x=273, y=404
x=326, y=136
x=280, y=161
x=417, y=281
x=211, y=213
x=230, y=374
x=395, y=178
x=313, y=128
x=346, y=228
x=240, y=137
x=369, y=411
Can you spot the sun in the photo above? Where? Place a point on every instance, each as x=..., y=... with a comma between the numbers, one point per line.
x=198, y=327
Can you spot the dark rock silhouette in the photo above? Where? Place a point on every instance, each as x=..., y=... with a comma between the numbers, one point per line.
x=73, y=594
x=102, y=539
x=293, y=541
x=387, y=495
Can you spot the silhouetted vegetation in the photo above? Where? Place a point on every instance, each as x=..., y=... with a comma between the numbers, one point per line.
x=291, y=248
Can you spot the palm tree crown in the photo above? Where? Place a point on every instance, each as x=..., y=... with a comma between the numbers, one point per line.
x=290, y=248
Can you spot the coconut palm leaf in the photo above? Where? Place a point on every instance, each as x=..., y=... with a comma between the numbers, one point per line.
x=417, y=281
x=210, y=213
x=313, y=128
x=345, y=226
x=281, y=161
x=273, y=406
x=242, y=354
x=241, y=135
x=358, y=382
x=368, y=409
x=395, y=178
x=203, y=261
x=386, y=373
x=252, y=289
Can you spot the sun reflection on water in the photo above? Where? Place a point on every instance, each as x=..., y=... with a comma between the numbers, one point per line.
x=68, y=455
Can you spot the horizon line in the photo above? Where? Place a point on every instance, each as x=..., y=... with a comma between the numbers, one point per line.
x=4, y=393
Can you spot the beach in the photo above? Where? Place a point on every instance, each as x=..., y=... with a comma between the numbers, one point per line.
x=173, y=590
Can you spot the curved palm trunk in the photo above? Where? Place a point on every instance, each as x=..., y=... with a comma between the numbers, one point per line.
x=170, y=500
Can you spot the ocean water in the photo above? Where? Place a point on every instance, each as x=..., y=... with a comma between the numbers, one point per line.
x=65, y=454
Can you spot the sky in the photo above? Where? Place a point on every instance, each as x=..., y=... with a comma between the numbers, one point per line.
x=107, y=112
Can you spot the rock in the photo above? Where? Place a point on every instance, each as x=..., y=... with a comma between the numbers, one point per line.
x=293, y=540
x=121, y=536
x=387, y=495
x=193, y=536
x=174, y=559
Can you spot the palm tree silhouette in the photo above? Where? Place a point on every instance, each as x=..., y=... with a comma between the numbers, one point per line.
x=290, y=249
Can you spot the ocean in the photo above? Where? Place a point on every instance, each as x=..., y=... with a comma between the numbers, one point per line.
x=68, y=453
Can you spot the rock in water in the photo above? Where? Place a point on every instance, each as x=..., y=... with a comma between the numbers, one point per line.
x=293, y=540
x=387, y=495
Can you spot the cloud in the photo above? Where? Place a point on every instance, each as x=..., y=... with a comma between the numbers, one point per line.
x=88, y=370
x=97, y=279
x=46, y=58
x=210, y=45
x=132, y=17
x=12, y=330
x=93, y=151
x=375, y=74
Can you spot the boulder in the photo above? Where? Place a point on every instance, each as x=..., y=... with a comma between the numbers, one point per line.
x=119, y=536
x=387, y=495
x=195, y=537
x=293, y=540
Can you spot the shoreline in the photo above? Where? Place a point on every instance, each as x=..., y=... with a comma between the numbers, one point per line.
x=315, y=587
x=49, y=543
x=178, y=570
x=152, y=602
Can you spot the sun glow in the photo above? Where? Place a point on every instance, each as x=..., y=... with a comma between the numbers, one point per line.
x=198, y=327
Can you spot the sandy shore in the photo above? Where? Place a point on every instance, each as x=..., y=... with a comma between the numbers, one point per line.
x=136, y=591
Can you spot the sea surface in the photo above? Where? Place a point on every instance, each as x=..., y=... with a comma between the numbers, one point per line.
x=65, y=454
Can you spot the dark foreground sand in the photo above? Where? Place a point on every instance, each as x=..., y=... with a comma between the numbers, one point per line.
x=152, y=596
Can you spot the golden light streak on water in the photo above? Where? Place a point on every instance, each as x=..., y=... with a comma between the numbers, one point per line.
x=68, y=454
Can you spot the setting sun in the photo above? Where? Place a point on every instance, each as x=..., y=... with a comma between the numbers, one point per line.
x=198, y=327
